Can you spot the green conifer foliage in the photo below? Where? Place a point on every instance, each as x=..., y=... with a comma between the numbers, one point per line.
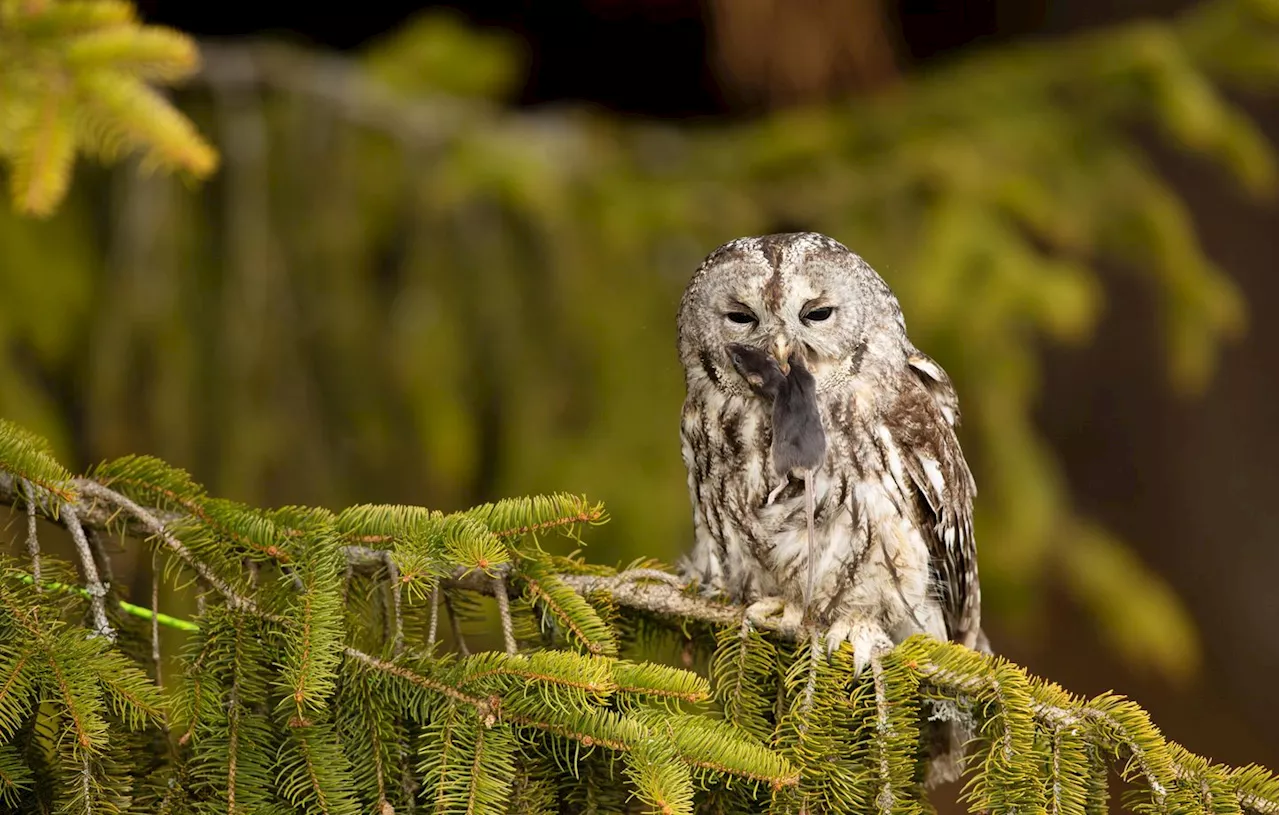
x=75, y=77
x=319, y=677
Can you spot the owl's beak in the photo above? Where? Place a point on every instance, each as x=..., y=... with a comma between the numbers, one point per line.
x=782, y=353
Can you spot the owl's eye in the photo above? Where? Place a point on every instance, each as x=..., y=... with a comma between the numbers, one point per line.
x=741, y=317
x=817, y=315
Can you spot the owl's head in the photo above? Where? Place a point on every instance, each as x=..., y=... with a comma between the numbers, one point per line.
x=800, y=293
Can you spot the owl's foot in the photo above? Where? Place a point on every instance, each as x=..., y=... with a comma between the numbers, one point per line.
x=763, y=611
x=706, y=590
x=703, y=580
x=868, y=638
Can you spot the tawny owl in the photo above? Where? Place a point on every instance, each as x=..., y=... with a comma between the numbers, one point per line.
x=892, y=537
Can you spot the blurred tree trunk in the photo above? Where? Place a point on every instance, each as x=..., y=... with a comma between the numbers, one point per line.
x=777, y=53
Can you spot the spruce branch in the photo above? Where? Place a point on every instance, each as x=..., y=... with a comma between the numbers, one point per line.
x=97, y=592
x=455, y=625
x=24, y=456
x=556, y=693
x=393, y=586
x=155, y=625
x=79, y=78
x=483, y=706
x=885, y=799
x=152, y=524
x=435, y=617
x=101, y=558
x=33, y=542
x=504, y=613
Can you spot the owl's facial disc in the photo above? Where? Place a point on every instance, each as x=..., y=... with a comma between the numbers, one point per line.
x=799, y=327
x=798, y=294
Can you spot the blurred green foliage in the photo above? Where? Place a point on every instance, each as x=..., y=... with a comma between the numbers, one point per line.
x=436, y=52
x=77, y=77
x=393, y=293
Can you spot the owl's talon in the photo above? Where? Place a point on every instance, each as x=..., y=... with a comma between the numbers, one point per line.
x=759, y=612
x=792, y=617
x=868, y=639
x=711, y=591
x=690, y=577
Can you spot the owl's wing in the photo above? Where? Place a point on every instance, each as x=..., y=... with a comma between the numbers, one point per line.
x=931, y=470
x=938, y=384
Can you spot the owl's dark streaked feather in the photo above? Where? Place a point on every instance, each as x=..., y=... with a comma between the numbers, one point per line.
x=933, y=469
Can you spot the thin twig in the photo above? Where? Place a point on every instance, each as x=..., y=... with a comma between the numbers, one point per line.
x=33, y=542
x=86, y=778
x=811, y=685
x=635, y=575
x=93, y=585
x=1055, y=744
x=233, y=746
x=884, y=728
x=155, y=622
x=435, y=617
x=393, y=584
x=504, y=613
x=157, y=529
x=100, y=557
x=408, y=782
x=455, y=626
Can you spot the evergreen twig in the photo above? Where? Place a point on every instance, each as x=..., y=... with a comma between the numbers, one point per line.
x=101, y=558
x=504, y=613
x=155, y=624
x=435, y=617
x=455, y=625
x=884, y=797
x=393, y=585
x=33, y=542
x=153, y=525
x=93, y=585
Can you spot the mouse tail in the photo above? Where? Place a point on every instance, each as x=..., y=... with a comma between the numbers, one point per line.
x=809, y=510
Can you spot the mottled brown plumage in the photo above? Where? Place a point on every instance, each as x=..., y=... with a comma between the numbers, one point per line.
x=893, y=550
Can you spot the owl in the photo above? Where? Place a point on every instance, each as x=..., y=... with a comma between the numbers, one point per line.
x=883, y=548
